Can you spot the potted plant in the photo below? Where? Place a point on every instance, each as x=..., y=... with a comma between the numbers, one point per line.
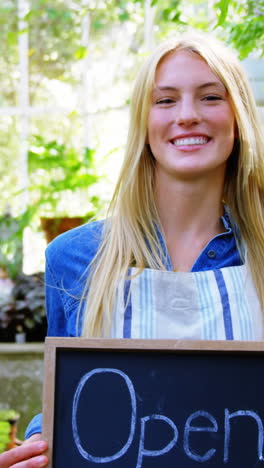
x=8, y=429
x=4, y=435
x=22, y=315
x=56, y=174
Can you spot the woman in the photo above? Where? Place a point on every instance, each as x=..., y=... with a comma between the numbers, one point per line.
x=188, y=200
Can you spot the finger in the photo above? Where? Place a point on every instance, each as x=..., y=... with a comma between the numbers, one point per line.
x=24, y=453
x=33, y=438
x=36, y=462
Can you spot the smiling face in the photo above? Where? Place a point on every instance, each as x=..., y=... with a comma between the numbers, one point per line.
x=191, y=122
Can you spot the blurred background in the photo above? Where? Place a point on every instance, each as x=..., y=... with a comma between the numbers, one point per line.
x=66, y=73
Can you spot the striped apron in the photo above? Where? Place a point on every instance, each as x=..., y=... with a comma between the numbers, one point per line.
x=207, y=305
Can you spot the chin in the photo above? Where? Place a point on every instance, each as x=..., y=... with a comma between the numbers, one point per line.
x=193, y=172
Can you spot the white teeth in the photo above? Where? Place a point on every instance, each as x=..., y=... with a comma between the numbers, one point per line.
x=190, y=141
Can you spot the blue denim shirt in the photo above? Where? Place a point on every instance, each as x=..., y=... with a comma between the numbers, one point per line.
x=69, y=255
x=67, y=263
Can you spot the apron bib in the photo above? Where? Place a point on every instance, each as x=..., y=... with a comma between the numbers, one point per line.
x=207, y=305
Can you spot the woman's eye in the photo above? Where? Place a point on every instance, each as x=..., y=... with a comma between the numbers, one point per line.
x=211, y=97
x=165, y=101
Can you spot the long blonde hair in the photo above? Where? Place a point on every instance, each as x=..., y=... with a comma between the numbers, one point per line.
x=130, y=232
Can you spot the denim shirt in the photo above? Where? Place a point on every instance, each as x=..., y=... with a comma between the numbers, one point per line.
x=67, y=264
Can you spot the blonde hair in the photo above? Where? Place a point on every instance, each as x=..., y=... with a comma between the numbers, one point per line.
x=130, y=232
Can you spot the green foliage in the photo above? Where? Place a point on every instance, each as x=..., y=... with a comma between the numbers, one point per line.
x=172, y=12
x=81, y=52
x=5, y=427
x=8, y=52
x=52, y=25
x=56, y=172
x=55, y=169
x=223, y=9
x=9, y=415
x=56, y=47
x=248, y=36
x=242, y=24
x=11, y=255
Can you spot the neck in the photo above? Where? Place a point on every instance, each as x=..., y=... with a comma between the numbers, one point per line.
x=185, y=204
x=190, y=216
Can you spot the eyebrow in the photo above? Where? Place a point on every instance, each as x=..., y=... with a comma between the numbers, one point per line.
x=202, y=86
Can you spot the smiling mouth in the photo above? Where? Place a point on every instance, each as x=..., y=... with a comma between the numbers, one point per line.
x=191, y=141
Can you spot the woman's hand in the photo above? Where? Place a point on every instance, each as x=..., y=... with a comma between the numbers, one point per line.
x=29, y=455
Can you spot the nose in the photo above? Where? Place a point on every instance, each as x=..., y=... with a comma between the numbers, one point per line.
x=187, y=112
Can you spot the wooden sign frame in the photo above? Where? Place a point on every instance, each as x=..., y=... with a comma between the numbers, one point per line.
x=52, y=345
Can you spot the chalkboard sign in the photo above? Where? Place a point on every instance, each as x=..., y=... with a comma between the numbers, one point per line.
x=153, y=403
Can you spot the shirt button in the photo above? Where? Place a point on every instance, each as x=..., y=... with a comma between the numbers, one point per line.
x=211, y=253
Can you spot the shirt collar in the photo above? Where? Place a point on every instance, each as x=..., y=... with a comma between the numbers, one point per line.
x=228, y=225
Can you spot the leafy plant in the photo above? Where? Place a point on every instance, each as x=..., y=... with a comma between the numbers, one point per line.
x=25, y=309
x=8, y=419
x=9, y=415
x=242, y=24
x=5, y=427
x=55, y=170
x=11, y=245
x=56, y=173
